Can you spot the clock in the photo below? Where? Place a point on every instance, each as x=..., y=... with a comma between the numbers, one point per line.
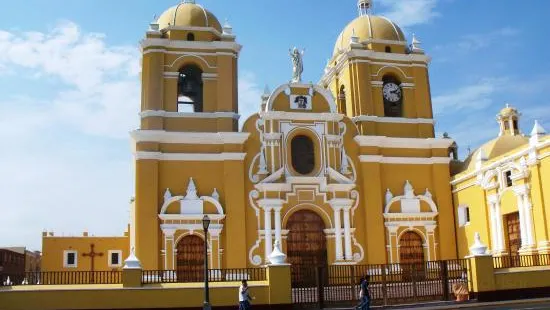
x=392, y=92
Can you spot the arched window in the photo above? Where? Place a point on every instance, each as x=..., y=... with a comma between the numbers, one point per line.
x=190, y=89
x=388, y=49
x=190, y=37
x=342, y=100
x=303, y=154
x=393, y=97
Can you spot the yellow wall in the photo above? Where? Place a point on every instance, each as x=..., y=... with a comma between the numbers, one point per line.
x=54, y=247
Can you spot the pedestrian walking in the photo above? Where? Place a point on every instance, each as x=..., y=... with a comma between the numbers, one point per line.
x=364, y=296
x=244, y=296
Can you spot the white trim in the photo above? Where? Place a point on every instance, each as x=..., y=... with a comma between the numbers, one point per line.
x=109, y=258
x=404, y=160
x=199, y=45
x=162, y=113
x=400, y=120
x=189, y=156
x=328, y=117
x=404, y=143
x=313, y=89
x=65, y=259
x=162, y=136
x=511, y=157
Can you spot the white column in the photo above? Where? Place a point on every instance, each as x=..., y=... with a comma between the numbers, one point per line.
x=347, y=234
x=338, y=234
x=494, y=230
x=500, y=231
x=528, y=209
x=522, y=226
x=278, y=225
x=267, y=233
x=511, y=125
x=430, y=240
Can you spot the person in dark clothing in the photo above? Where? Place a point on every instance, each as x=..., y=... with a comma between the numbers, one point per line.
x=364, y=296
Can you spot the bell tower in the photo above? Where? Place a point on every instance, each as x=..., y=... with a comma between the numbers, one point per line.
x=189, y=74
x=379, y=80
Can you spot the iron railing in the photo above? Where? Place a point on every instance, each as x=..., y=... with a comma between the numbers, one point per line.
x=515, y=260
x=214, y=275
x=61, y=278
x=390, y=284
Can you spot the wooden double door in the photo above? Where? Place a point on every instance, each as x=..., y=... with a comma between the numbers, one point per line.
x=411, y=256
x=513, y=238
x=190, y=259
x=306, y=245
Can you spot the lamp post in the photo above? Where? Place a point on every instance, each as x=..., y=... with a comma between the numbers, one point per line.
x=205, y=224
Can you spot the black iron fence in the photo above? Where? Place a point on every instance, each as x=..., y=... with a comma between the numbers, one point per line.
x=61, y=278
x=214, y=275
x=515, y=260
x=390, y=284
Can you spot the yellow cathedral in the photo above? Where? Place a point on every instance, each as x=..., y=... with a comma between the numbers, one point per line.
x=345, y=171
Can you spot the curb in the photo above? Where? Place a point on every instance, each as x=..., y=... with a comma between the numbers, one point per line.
x=474, y=304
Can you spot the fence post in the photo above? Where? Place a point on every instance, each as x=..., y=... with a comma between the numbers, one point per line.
x=320, y=286
x=131, y=272
x=413, y=272
x=444, y=279
x=384, y=284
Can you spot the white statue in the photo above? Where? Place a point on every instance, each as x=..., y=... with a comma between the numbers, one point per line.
x=298, y=64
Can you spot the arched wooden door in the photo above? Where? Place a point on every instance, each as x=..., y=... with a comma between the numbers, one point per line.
x=411, y=255
x=306, y=242
x=306, y=246
x=190, y=261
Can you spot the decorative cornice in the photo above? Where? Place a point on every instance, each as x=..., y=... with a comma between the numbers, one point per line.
x=189, y=156
x=162, y=136
x=404, y=143
x=329, y=117
x=162, y=113
x=199, y=45
x=404, y=160
x=399, y=120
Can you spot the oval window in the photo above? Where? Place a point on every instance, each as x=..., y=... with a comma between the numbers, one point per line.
x=303, y=154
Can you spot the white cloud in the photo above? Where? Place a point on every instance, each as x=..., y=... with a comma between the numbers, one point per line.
x=474, y=42
x=249, y=95
x=476, y=96
x=410, y=12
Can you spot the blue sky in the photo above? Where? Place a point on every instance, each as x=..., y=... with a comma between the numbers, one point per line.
x=69, y=87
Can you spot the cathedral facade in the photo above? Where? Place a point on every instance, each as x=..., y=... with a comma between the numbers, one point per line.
x=345, y=171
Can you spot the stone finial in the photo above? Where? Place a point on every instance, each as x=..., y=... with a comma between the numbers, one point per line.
x=537, y=132
x=354, y=39
x=408, y=189
x=262, y=169
x=191, y=190
x=227, y=29
x=345, y=164
x=132, y=262
x=277, y=257
x=216, y=195
x=8, y=282
x=478, y=248
x=416, y=45
x=167, y=194
x=389, y=196
x=428, y=194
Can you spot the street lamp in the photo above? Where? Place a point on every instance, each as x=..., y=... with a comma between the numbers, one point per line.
x=205, y=224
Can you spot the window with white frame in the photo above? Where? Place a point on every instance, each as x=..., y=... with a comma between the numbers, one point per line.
x=70, y=259
x=463, y=215
x=115, y=258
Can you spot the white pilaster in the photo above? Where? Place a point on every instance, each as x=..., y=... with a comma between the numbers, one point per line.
x=267, y=233
x=338, y=234
x=347, y=234
x=528, y=207
x=494, y=232
x=500, y=231
x=522, y=226
x=277, y=212
x=430, y=240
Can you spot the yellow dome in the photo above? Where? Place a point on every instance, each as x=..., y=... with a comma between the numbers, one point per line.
x=188, y=14
x=495, y=148
x=369, y=27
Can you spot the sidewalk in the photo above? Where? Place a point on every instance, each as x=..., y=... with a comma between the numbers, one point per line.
x=472, y=304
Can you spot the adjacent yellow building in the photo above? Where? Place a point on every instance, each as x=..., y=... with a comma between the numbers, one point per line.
x=346, y=171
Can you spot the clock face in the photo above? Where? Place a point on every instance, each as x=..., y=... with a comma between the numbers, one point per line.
x=392, y=92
